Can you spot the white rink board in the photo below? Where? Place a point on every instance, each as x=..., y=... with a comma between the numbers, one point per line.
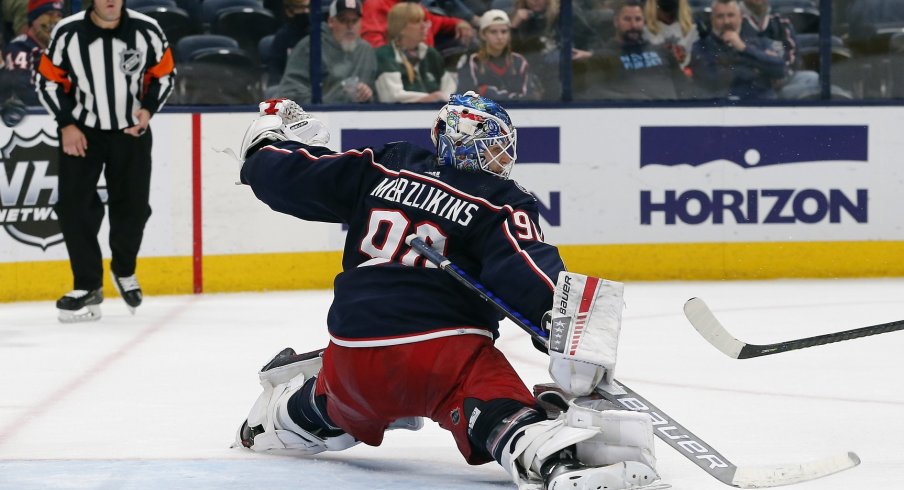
x=168, y=231
x=597, y=177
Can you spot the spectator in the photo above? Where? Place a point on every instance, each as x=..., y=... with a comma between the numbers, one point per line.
x=759, y=21
x=670, y=23
x=374, y=24
x=22, y=55
x=103, y=107
x=348, y=68
x=296, y=27
x=15, y=14
x=494, y=71
x=407, y=69
x=535, y=34
x=725, y=65
x=629, y=66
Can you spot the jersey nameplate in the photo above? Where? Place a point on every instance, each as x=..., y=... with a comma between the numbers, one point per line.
x=426, y=197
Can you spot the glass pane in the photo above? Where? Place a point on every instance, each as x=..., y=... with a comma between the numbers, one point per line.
x=871, y=65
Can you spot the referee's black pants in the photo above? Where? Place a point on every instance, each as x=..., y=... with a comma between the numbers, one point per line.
x=126, y=164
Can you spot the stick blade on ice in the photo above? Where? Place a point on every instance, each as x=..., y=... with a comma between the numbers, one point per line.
x=774, y=476
x=709, y=327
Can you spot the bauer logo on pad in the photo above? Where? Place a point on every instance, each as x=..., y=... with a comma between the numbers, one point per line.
x=751, y=146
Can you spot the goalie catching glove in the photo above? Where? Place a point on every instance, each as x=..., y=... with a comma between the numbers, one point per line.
x=583, y=333
x=283, y=120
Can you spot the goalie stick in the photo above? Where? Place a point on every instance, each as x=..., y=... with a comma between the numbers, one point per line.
x=706, y=323
x=665, y=427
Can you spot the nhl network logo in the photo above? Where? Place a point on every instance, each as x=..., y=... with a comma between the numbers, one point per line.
x=28, y=189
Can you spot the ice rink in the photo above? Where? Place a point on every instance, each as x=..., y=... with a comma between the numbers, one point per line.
x=152, y=401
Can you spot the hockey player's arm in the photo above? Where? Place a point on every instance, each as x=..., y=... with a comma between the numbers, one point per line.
x=518, y=265
x=308, y=182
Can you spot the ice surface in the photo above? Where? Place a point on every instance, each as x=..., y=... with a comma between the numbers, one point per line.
x=153, y=401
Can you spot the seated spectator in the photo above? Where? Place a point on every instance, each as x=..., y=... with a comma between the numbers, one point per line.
x=670, y=23
x=628, y=66
x=14, y=15
x=535, y=34
x=348, y=64
x=726, y=65
x=494, y=71
x=22, y=55
x=374, y=24
x=760, y=21
x=407, y=69
x=296, y=27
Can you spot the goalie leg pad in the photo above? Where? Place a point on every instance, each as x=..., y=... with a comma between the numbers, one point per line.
x=269, y=426
x=583, y=448
x=584, y=331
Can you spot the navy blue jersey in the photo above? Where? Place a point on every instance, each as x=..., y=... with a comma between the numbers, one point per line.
x=387, y=293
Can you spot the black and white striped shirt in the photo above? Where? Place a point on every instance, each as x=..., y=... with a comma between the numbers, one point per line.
x=101, y=77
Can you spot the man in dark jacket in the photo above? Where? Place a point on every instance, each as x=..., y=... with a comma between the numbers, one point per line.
x=727, y=65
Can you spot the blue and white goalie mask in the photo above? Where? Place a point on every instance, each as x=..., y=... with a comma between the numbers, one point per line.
x=473, y=133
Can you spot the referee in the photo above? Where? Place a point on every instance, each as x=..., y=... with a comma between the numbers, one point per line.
x=106, y=71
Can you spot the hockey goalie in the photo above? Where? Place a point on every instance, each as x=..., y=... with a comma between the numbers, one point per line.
x=407, y=342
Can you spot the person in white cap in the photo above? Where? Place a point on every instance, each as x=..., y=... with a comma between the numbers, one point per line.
x=494, y=71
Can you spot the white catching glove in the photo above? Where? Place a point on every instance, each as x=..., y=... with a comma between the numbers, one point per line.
x=284, y=120
x=583, y=335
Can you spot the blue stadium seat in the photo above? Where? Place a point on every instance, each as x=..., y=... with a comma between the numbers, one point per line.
x=210, y=9
x=174, y=21
x=188, y=46
x=247, y=25
x=137, y=5
x=218, y=76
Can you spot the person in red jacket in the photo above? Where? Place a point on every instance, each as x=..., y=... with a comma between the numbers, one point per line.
x=373, y=24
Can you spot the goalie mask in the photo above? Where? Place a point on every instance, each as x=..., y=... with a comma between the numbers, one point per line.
x=473, y=133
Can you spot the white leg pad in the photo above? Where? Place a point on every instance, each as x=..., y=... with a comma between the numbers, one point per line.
x=538, y=443
x=610, y=444
x=269, y=412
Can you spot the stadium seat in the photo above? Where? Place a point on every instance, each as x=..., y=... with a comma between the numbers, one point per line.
x=808, y=51
x=137, y=5
x=871, y=24
x=174, y=21
x=193, y=7
x=210, y=9
x=219, y=76
x=804, y=19
x=189, y=45
x=263, y=55
x=247, y=25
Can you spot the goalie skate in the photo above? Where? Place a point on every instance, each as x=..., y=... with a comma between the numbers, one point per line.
x=80, y=306
x=628, y=475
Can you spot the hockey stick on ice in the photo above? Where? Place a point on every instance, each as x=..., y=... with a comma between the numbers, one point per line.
x=666, y=428
x=706, y=323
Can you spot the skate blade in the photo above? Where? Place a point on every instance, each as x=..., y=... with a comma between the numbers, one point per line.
x=90, y=313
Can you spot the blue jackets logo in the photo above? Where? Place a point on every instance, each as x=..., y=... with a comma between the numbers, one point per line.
x=753, y=174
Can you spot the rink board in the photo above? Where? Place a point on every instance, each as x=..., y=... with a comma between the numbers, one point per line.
x=630, y=194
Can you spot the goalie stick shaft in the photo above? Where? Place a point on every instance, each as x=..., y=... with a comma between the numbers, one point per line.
x=706, y=323
x=462, y=277
x=666, y=428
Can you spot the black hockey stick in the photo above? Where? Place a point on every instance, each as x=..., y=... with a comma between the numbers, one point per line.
x=666, y=428
x=706, y=323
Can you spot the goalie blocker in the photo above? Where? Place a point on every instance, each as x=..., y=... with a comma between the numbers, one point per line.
x=583, y=332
